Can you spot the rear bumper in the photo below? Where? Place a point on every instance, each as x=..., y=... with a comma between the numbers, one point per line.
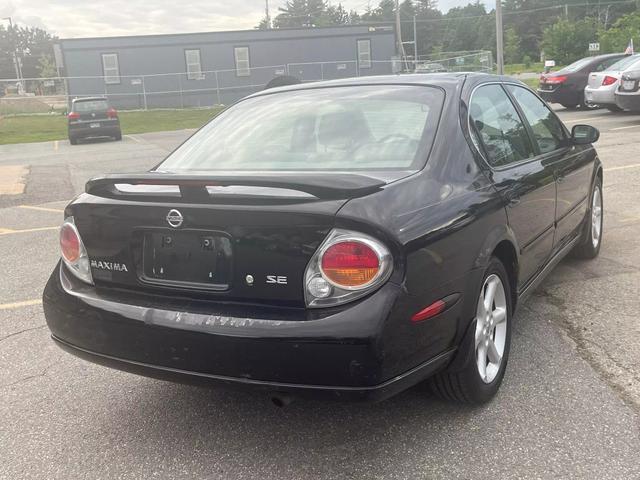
x=562, y=95
x=107, y=128
x=348, y=354
x=628, y=101
x=600, y=96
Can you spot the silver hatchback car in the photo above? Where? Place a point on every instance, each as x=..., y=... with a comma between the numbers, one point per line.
x=602, y=86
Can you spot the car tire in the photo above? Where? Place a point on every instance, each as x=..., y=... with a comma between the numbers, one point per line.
x=73, y=141
x=589, y=246
x=464, y=382
x=569, y=106
x=118, y=137
x=614, y=108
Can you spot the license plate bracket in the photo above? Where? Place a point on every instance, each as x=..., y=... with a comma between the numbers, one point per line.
x=187, y=258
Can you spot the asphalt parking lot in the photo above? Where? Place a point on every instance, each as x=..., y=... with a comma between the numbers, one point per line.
x=569, y=406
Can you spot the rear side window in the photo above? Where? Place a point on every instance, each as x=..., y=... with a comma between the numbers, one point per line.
x=605, y=64
x=90, y=106
x=381, y=127
x=547, y=129
x=498, y=128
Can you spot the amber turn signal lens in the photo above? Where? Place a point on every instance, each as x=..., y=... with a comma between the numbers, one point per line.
x=350, y=264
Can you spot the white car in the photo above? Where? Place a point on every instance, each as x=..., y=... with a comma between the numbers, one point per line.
x=602, y=86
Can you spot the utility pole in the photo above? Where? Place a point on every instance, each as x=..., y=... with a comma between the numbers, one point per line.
x=415, y=44
x=266, y=11
x=15, y=55
x=399, y=33
x=499, y=39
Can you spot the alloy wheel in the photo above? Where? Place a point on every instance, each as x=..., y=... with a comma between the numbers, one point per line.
x=596, y=217
x=491, y=328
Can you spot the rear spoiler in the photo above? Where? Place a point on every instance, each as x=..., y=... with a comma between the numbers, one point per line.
x=193, y=188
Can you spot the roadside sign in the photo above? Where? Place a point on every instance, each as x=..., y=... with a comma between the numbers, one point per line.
x=459, y=60
x=594, y=47
x=550, y=63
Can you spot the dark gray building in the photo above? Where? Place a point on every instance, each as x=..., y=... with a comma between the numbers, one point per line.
x=200, y=69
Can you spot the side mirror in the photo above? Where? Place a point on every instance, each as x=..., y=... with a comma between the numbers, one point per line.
x=584, y=134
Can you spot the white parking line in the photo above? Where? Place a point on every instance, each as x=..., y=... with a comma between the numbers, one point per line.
x=624, y=167
x=26, y=303
x=586, y=119
x=624, y=128
x=43, y=209
x=7, y=231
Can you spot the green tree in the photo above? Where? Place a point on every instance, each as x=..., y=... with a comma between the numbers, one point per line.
x=47, y=67
x=566, y=41
x=617, y=37
x=512, y=52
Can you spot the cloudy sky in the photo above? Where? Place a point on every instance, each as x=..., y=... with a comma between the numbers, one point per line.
x=82, y=18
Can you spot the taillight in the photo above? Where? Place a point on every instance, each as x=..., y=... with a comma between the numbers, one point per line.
x=74, y=255
x=350, y=264
x=112, y=113
x=609, y=80
x=557, y=79
x=347, y=266
x=73, y=116
x=69, y=243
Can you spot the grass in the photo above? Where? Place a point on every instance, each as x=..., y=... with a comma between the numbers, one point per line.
x=42, y=128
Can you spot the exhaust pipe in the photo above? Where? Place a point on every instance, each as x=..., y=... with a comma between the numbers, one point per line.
x=281, y=400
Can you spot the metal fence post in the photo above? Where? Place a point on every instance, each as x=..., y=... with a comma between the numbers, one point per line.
x=144, y=93
x=180, y=90
x=217, y=88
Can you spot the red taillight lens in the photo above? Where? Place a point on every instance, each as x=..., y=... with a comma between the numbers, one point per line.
x=69, y=243
x=609, y=80
x=112, y=113
x=557, y=80
x=73, y=116
x=350, y=264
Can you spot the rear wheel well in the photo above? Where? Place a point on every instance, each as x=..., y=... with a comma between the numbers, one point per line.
x=506, y=253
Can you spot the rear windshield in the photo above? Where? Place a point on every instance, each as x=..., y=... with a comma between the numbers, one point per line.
x=322, y=129
x=90, y=105
x=575, y=66
x=623, y=64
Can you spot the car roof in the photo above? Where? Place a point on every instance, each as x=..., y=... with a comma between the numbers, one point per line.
x=447, y=81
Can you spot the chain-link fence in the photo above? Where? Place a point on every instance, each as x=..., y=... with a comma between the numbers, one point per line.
x=207, y=88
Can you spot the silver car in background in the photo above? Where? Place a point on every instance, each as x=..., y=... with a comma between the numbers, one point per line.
x=602, y=86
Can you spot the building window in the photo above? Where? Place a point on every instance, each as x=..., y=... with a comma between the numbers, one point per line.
x=194, y=69
x=243, y=67
x=110, y=68
x=364, y=53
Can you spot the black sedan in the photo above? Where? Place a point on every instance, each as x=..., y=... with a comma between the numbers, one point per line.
x=566, y=86
x=92, y=117
x=348, y=239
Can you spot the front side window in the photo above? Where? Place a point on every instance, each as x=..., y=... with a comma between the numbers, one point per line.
x=194, y=69
x=384, y=127
x=497, y=127
x=243, y=66
x=110, y=68
x=547, y=129
x=364, y=53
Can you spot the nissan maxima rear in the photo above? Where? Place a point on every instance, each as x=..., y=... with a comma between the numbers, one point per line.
x=347, y=239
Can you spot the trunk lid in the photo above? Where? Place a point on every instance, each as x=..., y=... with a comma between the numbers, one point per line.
x=229, y=238
x=596, y=78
